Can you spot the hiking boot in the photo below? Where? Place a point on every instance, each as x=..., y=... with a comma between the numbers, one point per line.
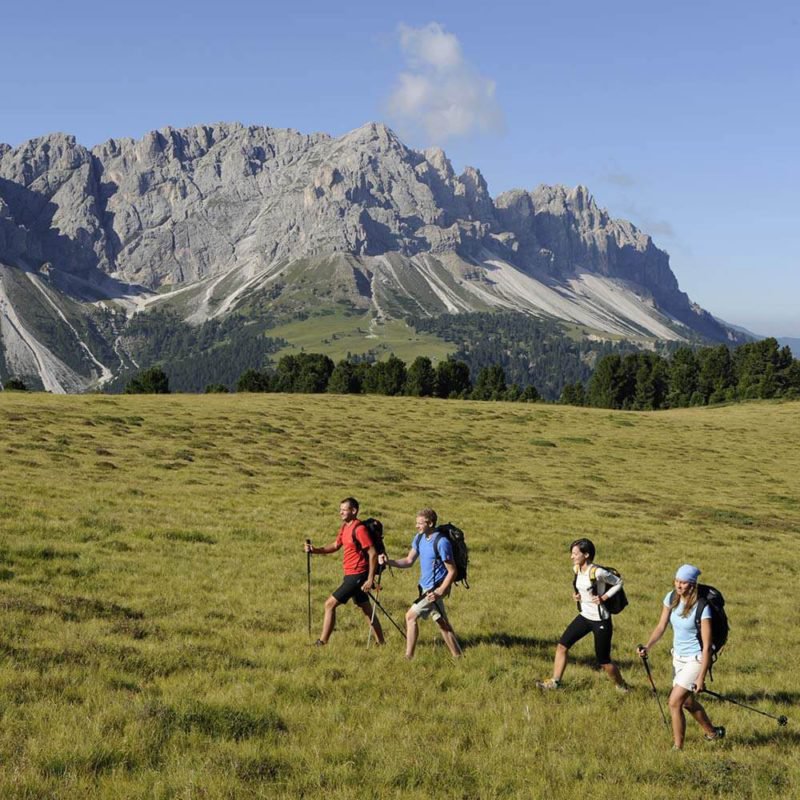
x=319, y=643
x=719, y=733
x=551, y=683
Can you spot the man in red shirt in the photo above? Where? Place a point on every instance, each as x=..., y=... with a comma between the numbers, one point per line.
x=360, y=563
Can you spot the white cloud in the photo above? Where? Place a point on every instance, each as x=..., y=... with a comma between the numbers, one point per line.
x=441, y=94
x=430, y=46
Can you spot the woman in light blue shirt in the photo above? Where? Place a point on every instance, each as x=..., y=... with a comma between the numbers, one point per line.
x=691, y=656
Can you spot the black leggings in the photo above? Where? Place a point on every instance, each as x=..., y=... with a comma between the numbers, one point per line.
x=603, y=630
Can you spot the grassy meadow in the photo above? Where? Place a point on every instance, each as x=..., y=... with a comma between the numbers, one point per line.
x=153, y=617
x=336, y=335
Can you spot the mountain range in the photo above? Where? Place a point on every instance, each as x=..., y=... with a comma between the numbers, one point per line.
x=268, y=227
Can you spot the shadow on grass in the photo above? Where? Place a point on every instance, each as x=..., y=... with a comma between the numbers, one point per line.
x=628, y=664
x=771, y=738
x=541, y=646
x=509, y=641
x=753, y=698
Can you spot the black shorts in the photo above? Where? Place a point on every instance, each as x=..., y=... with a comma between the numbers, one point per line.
x=351, y=587
x=603, y=630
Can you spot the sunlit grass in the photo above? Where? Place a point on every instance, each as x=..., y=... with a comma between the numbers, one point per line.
x=336, y=335
x=153, y=629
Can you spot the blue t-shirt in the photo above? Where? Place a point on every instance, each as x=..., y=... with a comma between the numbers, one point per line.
x=685, y=642
x=432, y=570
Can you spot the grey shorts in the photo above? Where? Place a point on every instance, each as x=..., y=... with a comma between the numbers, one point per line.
x=424, y=609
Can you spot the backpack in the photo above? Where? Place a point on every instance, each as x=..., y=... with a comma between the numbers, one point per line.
x=710, y=596
x=375, y=530
x=616, y=603
x=460, y=550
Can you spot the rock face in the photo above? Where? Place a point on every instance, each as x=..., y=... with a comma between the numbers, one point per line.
x=180, y=207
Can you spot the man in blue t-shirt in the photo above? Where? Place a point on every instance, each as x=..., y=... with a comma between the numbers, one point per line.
x=437, y=573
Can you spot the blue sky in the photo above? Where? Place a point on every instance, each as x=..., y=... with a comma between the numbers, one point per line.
x=684, y=118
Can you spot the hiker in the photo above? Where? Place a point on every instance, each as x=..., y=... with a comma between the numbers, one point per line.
x=437, y=573
x=593, y=616
x=690, y=660
x=360, y=563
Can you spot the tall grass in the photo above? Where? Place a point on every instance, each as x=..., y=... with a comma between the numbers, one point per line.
x=153, y=630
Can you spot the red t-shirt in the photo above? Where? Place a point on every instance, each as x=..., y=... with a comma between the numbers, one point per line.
x=356, y=558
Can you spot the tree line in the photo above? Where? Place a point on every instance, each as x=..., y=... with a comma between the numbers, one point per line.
x=314, y=372
x=531, y=351
x=217, y=352
x=648, y=381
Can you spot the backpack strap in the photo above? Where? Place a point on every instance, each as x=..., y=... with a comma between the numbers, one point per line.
x=701, y=605
x=593, y=578
x=356, y=543
x=575, y=583
x=437, y=535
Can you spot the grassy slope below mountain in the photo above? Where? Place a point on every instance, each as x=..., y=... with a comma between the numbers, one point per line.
x=156, y=601
x=338, y=335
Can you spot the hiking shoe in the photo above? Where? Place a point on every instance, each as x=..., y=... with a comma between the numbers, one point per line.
x=719, y=733
x=623, y=688
x=319, y=643
x=552, y=683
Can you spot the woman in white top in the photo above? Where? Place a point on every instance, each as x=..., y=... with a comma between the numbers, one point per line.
x=593, y=617
x=691, y=658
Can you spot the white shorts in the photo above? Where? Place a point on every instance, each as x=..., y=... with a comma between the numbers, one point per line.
x=685, y=671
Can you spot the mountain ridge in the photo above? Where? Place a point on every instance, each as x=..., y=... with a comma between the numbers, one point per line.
x=213, y=218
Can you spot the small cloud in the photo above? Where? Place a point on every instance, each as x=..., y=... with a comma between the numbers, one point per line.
x=647, y=223
x=441, y=94
x=659, y=228
x=622, y=179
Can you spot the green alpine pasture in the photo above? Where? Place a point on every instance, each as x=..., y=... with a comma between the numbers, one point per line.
x=153, y=606
x=338, y=334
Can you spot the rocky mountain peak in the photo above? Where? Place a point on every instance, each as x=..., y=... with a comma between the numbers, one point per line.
x=230, y=204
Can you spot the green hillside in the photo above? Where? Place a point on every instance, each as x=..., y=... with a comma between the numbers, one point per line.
x=153, y=635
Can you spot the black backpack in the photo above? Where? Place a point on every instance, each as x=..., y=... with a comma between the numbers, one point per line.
x=616, y=603
x=710, y=596
x=460, y=550
x=455, y=536
x=375, y=530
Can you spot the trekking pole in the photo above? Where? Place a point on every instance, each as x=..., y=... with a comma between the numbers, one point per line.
x=374, y=611
x=308, y=572
x=652, y=684
x=386, y=613
x=782, y=720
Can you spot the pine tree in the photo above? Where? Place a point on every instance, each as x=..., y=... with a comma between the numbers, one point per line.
x=421, y=378
x=452, y=379
x=151, y=381
x=490, y=384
